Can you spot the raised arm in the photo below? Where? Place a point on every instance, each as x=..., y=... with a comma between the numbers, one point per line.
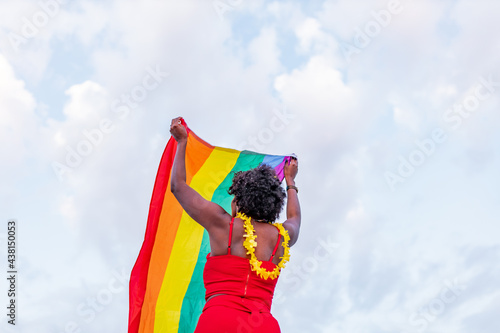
x=205, y=212
x=292, y=224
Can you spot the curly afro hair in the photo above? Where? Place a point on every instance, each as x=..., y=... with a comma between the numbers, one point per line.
x=258, y=193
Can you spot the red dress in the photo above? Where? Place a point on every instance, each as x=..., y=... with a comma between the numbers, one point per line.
x=246, y=304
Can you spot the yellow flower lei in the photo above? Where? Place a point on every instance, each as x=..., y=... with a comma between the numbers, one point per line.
x=250, y=244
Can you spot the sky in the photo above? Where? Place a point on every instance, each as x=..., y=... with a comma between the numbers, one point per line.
x=389, y=106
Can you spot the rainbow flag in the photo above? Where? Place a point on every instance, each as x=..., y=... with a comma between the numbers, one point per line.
x=166, y=284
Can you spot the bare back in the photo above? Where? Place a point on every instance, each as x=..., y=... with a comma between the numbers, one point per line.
x=267, y=236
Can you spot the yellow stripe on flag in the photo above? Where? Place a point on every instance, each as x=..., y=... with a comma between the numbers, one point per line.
x=187, y=242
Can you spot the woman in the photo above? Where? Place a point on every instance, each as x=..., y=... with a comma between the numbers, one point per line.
x=247, y=250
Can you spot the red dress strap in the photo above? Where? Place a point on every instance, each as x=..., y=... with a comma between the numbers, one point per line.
x=230, y=236
x=276, y=247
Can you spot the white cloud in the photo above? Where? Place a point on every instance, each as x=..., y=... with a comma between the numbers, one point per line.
x=18, y=122
x=318, y=94
x=344, y=16
x=475, y=24
x=307, y=32
x=407, y=118
x=265, y=53
x=86, y=101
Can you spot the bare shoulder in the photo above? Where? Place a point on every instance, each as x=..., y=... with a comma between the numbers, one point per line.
x=219, y=219
x=218, y=234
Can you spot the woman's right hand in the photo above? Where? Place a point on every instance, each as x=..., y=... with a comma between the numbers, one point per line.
x=291, y=169
x=178, y=130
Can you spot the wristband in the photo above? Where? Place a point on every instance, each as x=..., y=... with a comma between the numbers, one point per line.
x=292, y=187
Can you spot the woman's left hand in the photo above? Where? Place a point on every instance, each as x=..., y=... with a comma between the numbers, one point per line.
x=178, y=130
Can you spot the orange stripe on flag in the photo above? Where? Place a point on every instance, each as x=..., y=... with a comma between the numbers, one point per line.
x=167, y=230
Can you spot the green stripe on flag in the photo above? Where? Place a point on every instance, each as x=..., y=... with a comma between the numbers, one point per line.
x=194, y=299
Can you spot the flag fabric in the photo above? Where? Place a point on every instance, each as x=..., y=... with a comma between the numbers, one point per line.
x=166, y=284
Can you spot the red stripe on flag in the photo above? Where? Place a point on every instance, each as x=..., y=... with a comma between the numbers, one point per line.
x=138, y=276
